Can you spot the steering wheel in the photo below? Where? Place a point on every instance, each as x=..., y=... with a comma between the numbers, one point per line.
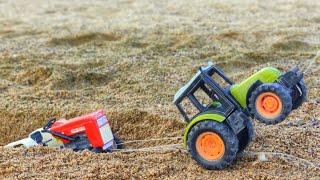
x=50, y=122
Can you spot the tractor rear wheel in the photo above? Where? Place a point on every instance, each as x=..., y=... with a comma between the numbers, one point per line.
x=270, y=103
x=245, y=136
x=299, y=94
x=212, y=144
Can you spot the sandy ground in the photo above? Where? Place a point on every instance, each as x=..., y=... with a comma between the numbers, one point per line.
x=65, y=58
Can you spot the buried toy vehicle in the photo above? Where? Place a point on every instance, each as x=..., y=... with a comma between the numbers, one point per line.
x=91, y=132
x=220, y=126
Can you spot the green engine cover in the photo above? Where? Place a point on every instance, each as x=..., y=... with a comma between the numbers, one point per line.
x=266, y=75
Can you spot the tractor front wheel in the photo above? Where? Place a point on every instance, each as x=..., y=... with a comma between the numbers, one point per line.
x=212, y=144
x=299, y=94
x=270, y=103
x=117, y=144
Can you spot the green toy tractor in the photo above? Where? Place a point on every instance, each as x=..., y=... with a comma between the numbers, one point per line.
x=219, y=112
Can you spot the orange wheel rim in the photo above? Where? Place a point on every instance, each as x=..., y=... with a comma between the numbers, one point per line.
x=269, y=105
x=210, y=146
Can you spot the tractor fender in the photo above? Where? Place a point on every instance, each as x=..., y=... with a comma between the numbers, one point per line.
x=210, y=115
x=251, y=89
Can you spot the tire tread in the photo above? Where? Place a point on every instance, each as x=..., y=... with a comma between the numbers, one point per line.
x=283, y=94
x=229, y=138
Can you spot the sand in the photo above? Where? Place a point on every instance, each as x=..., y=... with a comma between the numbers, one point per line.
x=66, y=58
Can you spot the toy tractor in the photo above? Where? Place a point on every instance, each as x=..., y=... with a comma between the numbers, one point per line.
x=220, y=126
x=91, y=132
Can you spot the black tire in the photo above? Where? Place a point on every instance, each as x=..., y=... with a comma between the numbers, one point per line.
x=225, y=133
x=118, y=142
x=278, y=90
x=246, y=136
x=297, y=97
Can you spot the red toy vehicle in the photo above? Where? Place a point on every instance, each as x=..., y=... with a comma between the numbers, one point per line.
x=91, y=131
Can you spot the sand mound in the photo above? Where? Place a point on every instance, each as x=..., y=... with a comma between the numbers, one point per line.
x=65, y=59
x=77, y=40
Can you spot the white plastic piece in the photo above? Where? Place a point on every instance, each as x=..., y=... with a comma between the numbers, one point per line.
x=47, y=139
x=27, y=142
